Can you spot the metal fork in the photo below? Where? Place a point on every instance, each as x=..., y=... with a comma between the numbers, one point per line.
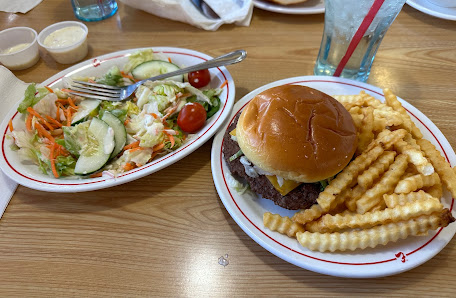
x=111, y=93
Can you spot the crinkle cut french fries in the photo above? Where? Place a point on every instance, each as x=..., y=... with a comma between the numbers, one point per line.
x=391, y=190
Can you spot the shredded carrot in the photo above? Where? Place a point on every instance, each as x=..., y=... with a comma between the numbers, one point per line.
x=65, y=90
x=70, y=101
x=126, y=121
x=51, y=157
x=57, y=113
x=171, y=139
x=59, y=149
x=68, y=117
x=37, y=115
x=127, y=76
x=170, y=61
x=28, y=122
x=132, y=145
x=96, y=175
x=180, y=95
x=129, y=166
x=158, y=147
x=153, y=155
x=43, y=132
x=172, y=110
x=48, y=125
x=91, y=81
x=10, y=125
x=62, y=150
x=62, y=101
x=135, y=149
x=34, y=113
x=224, y=84
x=49, y=89
x=154, y=115
x=135, y=99
x=53, y=121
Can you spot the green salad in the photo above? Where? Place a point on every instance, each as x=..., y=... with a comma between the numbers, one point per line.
x=68, y=135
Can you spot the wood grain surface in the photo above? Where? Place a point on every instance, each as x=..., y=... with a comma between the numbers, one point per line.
x=162, y=235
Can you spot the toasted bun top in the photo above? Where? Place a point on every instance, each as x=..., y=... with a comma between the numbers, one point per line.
x=297, y=132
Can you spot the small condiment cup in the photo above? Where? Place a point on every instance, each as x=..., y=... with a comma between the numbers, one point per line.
x=26, y=55
x=67, y=54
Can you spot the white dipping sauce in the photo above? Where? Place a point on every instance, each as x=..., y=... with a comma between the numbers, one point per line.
x=64, y=37
x=67, y=45
x=15, y=48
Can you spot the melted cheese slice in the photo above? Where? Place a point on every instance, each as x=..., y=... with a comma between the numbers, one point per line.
x=287, y=186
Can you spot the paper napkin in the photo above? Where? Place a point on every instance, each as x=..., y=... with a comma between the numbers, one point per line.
x=22, y=6
x=12, y=90
x=238, y=12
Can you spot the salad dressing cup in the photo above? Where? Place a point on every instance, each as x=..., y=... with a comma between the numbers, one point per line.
x=60, y=42
x=18, y=48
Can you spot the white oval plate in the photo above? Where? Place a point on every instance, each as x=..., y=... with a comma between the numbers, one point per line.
x=30, y=176
x=247, y=210
x=447, y=13
x=309, y=7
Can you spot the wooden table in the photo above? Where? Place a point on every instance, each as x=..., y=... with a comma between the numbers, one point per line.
x=163, y=234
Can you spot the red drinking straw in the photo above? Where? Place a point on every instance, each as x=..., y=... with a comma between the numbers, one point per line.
x=359, y=35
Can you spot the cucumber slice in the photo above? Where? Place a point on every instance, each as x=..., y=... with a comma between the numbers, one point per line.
x=102, y=138
x=153, y=68
x=120, y=134
x=75, y=136
x=86, y=107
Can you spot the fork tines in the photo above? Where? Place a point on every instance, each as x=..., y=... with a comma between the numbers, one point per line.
x=93, y=90
x=98, y=86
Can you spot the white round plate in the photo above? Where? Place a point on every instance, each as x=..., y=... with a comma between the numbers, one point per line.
x=308, y=7
x=247, y=209
x=30, y=176
x=447, y=13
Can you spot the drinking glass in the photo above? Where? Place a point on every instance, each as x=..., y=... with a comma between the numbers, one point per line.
x=342, y=20
x=94, y=10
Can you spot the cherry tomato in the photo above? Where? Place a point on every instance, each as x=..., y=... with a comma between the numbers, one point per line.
x=199, y=78
x=192, y=117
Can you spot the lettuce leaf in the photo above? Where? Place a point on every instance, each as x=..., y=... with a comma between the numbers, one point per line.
x=65, y=165
x=112, y=78
x=30, y=99
x=137, y=58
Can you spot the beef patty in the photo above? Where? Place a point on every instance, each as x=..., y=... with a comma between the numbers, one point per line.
x=302, y=197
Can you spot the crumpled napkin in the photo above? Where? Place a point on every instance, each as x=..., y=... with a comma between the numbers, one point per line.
x=22, y=6
x=12, y=90
x=229, y=11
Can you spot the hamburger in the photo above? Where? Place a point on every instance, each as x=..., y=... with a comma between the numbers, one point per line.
x=287, y=142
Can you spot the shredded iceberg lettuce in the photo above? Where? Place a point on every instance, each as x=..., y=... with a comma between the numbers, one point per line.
x=138, y=58
x=112, y=78
x=31, y=97
x=75, y=137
